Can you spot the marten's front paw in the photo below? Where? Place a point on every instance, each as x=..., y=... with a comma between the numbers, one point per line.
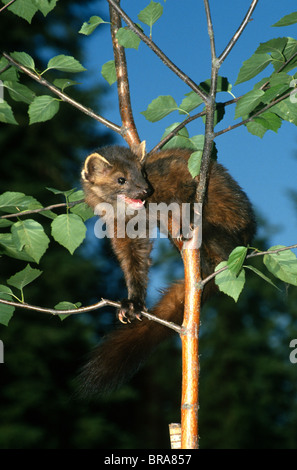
x=129, y=310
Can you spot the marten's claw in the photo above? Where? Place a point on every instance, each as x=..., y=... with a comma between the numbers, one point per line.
x=122, y=317
x=129, y=310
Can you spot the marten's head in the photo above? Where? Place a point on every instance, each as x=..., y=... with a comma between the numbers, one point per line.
x=114, y=172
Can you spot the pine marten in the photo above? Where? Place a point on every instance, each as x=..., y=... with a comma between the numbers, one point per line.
x=115, y=174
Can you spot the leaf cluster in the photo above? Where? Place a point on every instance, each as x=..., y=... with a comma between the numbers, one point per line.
x=26, y=238
x=41, y=108
x=230, y=277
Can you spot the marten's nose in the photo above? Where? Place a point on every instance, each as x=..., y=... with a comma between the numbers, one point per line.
x=148, y=191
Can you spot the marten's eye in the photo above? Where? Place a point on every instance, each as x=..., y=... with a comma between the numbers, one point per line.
x=122, y=180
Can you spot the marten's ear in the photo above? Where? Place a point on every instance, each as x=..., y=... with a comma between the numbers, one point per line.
x=95, y=164
x=139, y=150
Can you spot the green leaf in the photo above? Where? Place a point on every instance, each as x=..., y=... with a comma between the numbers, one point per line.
x=159, y=108
x=28, y=235
x=24, y=59
x=66, y=193
x=6, y=114
x=194, y=163
x=267, y=121
x=282, y=265
x=289, y=52
x=63, y=83
x=280, y=78
x=287, y=20
x=11, y=202
x=236, y=259
x=271, y=121
x=5, y=223
x=198, y=141
x=76, y=196
x=189, y=103
x=274, y=92
x=128, y=38
x=108, y=72
x=24, y=277
x=274, y=46
x=8, y=248
x=65, y=63
x=82, y=209
x=45, y=6
x=11, y=74
x=255, y=127
x=222, y=85
x=260, y=274
x=66, y=306
x=252, y=67
x=150, y=14
x=26, y=9
x=88, y=27
x=228, y=282
x=248, y=103
x=286, y=109
x=69, y=230
x=19, y=92
x=43, y=108
x=180, y=140
x=6, y=311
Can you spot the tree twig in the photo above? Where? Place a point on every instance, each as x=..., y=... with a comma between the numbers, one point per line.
x=89, y=308
x=42, y=209
x=42, y=81
x=158, y=51
x=129, y=130
x=7, y=5
x=238, y=33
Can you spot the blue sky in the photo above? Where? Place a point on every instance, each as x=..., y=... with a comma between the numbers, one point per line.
x=266, y=168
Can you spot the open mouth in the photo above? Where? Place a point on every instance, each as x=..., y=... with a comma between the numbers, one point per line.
x=134, y=203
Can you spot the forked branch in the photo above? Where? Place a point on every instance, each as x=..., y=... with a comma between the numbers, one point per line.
x=158, y=51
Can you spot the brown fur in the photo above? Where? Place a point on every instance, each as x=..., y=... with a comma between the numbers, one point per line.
x=228, y=221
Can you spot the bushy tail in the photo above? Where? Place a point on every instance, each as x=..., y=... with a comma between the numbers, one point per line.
x=122, y=353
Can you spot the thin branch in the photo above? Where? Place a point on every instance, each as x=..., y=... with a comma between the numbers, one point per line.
x=89, y=112
x=129, y=130
x=89, y=308
x=175, y=131
x=209, y=117
x=210, y=30
x=7, y=5
x=238, y=33
x=158, y=51
x=42, y=209
x=261, y=111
